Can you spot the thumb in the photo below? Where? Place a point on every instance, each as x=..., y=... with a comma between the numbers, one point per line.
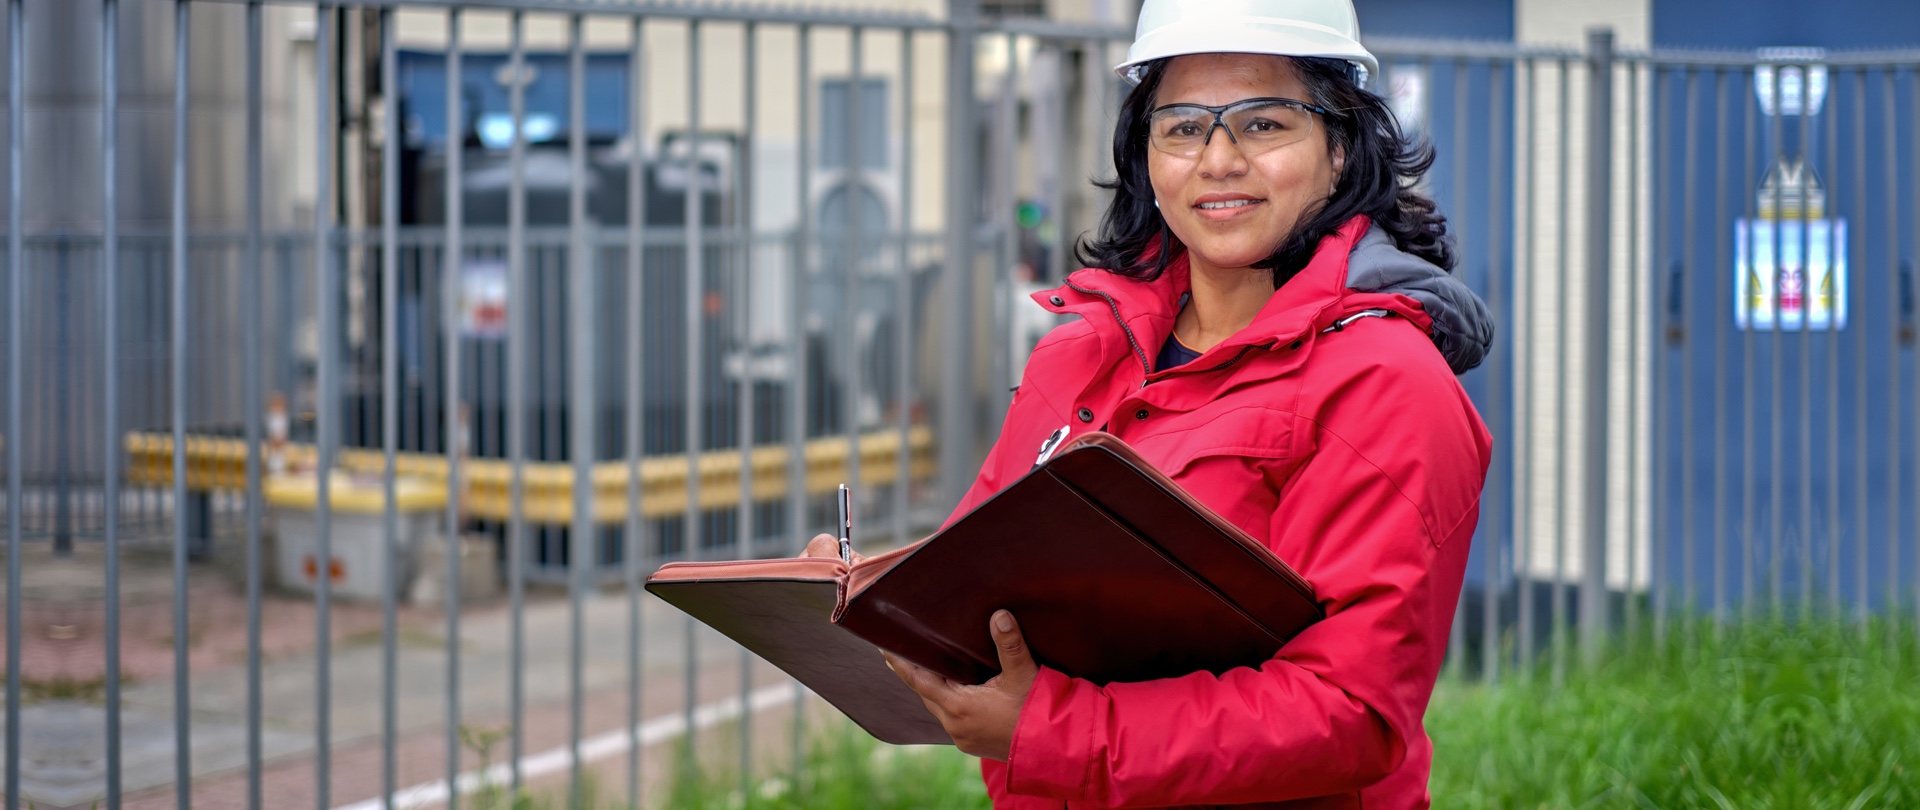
x=822, y=545
x=1015, y=660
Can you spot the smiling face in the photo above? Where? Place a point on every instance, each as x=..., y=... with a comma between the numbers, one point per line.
x=1231, y=210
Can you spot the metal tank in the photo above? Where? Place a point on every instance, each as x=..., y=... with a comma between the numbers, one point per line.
x=64, y=369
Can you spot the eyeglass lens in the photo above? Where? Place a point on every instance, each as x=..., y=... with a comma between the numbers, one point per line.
x=1256, y=125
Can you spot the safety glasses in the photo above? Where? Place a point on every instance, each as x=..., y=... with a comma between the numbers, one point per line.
x=1255, y=125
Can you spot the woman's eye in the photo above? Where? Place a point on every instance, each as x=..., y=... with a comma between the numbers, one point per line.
x=1264, y=125
x=1184, y=129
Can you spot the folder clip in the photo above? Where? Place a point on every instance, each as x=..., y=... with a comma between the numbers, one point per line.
x=1052, y=443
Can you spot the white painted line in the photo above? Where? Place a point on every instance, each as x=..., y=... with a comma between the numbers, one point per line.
x=592, y=749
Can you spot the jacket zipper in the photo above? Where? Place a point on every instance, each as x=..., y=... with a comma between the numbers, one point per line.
x=1146, y=368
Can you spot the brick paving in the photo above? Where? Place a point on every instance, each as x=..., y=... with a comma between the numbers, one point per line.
x=63, y=662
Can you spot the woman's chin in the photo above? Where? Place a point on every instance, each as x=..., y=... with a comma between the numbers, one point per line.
x=1228, y=258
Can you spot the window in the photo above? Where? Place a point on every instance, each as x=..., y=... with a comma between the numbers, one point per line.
x=836, y=142
x=487, y=104
x=1014, y=8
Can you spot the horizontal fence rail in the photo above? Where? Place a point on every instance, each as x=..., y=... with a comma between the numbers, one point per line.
x=396, y=342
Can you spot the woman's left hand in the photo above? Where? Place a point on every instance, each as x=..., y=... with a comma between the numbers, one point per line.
x=980, y=718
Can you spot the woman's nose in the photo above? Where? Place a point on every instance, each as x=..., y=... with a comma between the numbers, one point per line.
x=1220, y=156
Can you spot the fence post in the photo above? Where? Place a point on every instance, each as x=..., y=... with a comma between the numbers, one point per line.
x=1593, y=585
x=957, y=414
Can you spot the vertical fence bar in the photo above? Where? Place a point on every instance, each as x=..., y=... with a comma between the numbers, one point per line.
x=1523, y=384
x=110, y=324
x=743, y=196
x=1658, y=569
x=1857, y=250
x=695, y=281
x=1832, y=174
x=1891, y=105
x=1061, y=122
x=390, y=403
x=1635, y=288
x=635, y=539
x=1564, y=334
x=1689, y=206
x=454, y=418
x=903, y=300
x=1594, y=619
x=1457, y=216
x=326, y=407
x=1913, y=281
x=1093, y=119
x=1749, y=513
x=957, y=412
x=16, y=287
x=1496, y=403
x=253, y=302
x=1804, y=348
x=797, y=354
x=855, y=189
x=1720, y=217
x=1007, y=132
x=519, y=308
x=182, y=708
x=582, y=551
x=1775, y=345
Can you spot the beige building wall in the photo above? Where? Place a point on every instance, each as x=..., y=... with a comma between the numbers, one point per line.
x=1550, y=333
x=777, y=75
x=917, y=146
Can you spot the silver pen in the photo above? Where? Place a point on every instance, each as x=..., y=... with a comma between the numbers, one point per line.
x=846, y=524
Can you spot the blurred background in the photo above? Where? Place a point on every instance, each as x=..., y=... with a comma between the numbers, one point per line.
x=318, y=314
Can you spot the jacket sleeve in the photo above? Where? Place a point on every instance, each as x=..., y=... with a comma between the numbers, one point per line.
x=988, y=481
x=1028, y=412
x=1378, y=521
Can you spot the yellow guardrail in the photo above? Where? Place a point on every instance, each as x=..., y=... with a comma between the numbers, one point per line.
x=220, y=464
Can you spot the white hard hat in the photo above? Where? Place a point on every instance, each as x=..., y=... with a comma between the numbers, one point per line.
x=1323, y=28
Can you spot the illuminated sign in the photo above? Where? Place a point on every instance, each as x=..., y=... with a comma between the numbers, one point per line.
x=1804, y=288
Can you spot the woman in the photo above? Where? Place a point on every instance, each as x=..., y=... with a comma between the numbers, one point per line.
x=1267, y=316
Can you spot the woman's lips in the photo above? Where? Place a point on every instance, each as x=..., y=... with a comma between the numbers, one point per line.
x=1222, y=210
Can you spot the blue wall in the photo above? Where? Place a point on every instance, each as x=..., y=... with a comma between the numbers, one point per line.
x=1448, y=19
x=1746, y=24
x=1750, y=472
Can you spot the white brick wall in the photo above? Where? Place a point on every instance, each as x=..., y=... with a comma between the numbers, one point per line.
x=1550, y=333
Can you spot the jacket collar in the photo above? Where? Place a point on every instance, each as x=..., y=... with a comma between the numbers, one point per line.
x=1310, y=301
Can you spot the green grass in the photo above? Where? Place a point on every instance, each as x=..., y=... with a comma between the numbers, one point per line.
x=846, y=768
x=1769, y=717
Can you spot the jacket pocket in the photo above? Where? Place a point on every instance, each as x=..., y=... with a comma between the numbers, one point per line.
x=1261, y=434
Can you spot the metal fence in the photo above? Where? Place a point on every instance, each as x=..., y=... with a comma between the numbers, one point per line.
x=696, y=269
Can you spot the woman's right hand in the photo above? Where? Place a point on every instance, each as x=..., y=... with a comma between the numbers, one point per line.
x=826, y=545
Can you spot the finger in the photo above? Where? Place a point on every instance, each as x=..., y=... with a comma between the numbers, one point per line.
x=920, y=681
x=923, y=682
x=1015, y=660
x=823, y=545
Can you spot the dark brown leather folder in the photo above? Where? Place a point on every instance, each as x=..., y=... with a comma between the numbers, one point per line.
x=1114, y=573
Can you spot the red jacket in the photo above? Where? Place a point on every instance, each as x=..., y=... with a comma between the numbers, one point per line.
x=1349, y=447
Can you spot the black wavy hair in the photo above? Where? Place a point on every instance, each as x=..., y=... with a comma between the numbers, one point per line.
x=1382, y=165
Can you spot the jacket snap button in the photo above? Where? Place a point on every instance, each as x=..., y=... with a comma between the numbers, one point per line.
x=1057, y=301
x=1086, y=414
x=1140, y=414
